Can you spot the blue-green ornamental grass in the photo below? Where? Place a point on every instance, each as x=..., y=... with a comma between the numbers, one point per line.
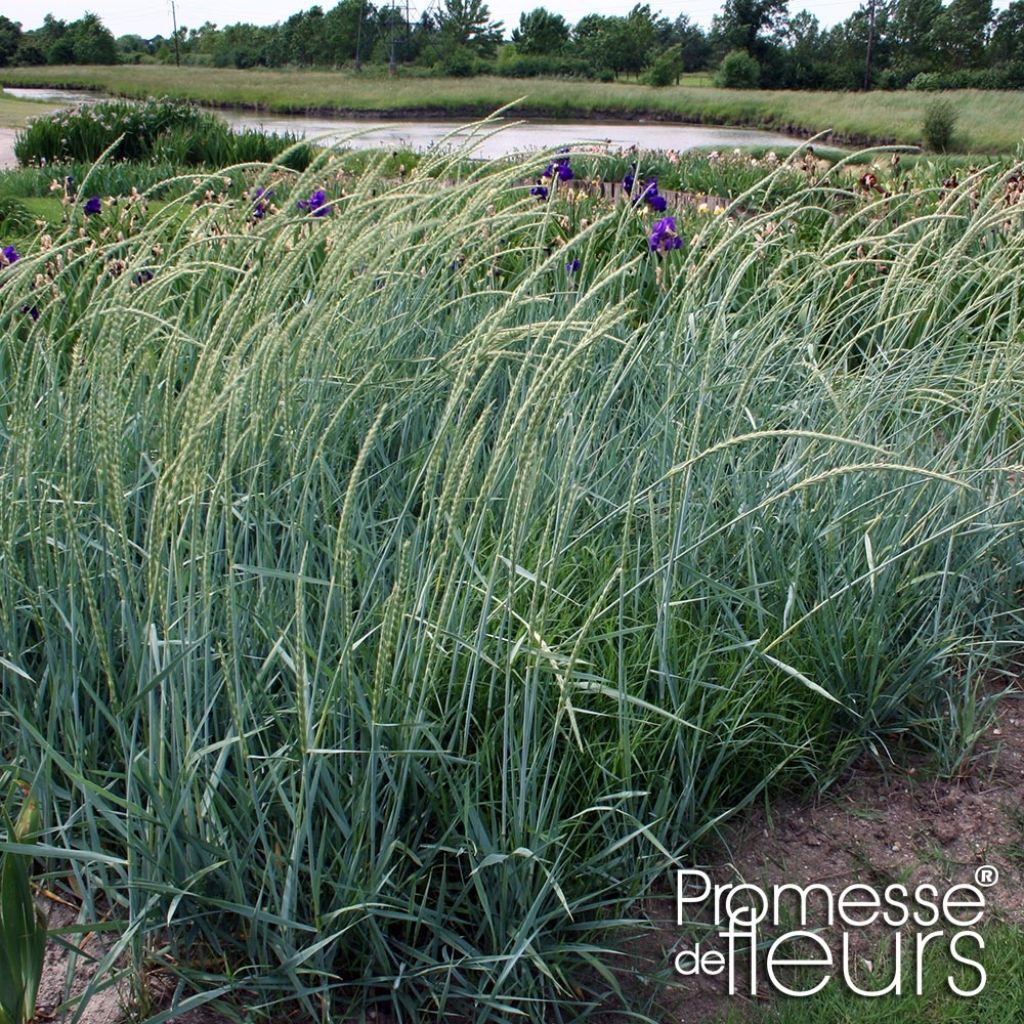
x=389, y=598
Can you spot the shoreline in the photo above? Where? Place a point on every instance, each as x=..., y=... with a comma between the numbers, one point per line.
x=477, y=111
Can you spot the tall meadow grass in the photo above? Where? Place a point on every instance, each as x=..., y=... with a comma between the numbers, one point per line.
x=383, y=607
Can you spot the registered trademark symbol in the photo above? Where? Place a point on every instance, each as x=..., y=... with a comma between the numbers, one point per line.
x=986, y=876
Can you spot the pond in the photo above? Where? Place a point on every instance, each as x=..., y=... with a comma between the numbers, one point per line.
x=517, y=136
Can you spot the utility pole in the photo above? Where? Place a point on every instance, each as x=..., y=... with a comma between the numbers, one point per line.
x=174, y=21
x=392, y=63
x=359, y=36
x=871, y=45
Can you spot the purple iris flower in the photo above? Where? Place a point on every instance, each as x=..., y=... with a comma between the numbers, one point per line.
x=559, y=168
x=657, y=202
x=93, y=206
x=664, y=236
x=539, y=191
x=30, y=311
x=572, y=266
x=11, y=254
x=316, y=204
x=261, y=197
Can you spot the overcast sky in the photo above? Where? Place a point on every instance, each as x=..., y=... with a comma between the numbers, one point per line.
x=152, y=17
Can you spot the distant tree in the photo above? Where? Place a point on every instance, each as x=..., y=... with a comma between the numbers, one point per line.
x=1007, y=41
x=52, y=39
x=913, y=47
x=247, y=46
x=467, y=24
x=29, y=54
x=302, y=38
x=845, y=47
x=621, y=44
x=541, y=32
x=349, y=27
x=751, y=25
x=666, y=67
x=804, y=45
x=10, y=40
x=91, y=41
x=960, y=33
x=693, y=43
x=131, y=44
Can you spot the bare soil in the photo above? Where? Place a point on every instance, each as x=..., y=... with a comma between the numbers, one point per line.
x=878, y=828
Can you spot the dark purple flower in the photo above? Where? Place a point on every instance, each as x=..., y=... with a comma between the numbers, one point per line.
x=316, y=204
x=260, y=198
x=657, y=203
x=572, y=266
x=559, y=168
x=30, y=311
x=142, y=277
x=11, y=254
x=539, y=191
x=664, y=236
x=93, y=206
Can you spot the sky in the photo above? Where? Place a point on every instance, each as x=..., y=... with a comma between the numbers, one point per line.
x=152, y=17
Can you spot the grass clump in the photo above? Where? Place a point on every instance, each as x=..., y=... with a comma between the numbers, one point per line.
x=386, y=599
x=162, y=131
x=940, y=122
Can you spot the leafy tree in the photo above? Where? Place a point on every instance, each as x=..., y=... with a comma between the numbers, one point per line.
x=751, y=25
x=961, y=33
x=52, y=39
x=804, y=45
x=695, y=48
x=541, y=32
x=911, y=27
x=622, y=44
x=667, y=67
x=91, y=41
x=1007, y=42
x=349, y=30
x=303, y=37
x=467, y=23
x=10, y=40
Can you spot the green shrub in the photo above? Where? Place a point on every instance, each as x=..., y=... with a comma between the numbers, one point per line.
x=738, y=70
x=940, y=125
x=666, y=68
x=459, y=62
x=168, y=131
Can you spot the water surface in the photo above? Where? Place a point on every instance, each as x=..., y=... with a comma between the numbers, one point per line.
x=517, y=136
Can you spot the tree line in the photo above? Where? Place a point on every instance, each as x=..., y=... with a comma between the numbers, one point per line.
x=750, y=43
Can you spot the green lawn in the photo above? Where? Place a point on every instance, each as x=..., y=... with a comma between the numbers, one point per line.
x=14, y=113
